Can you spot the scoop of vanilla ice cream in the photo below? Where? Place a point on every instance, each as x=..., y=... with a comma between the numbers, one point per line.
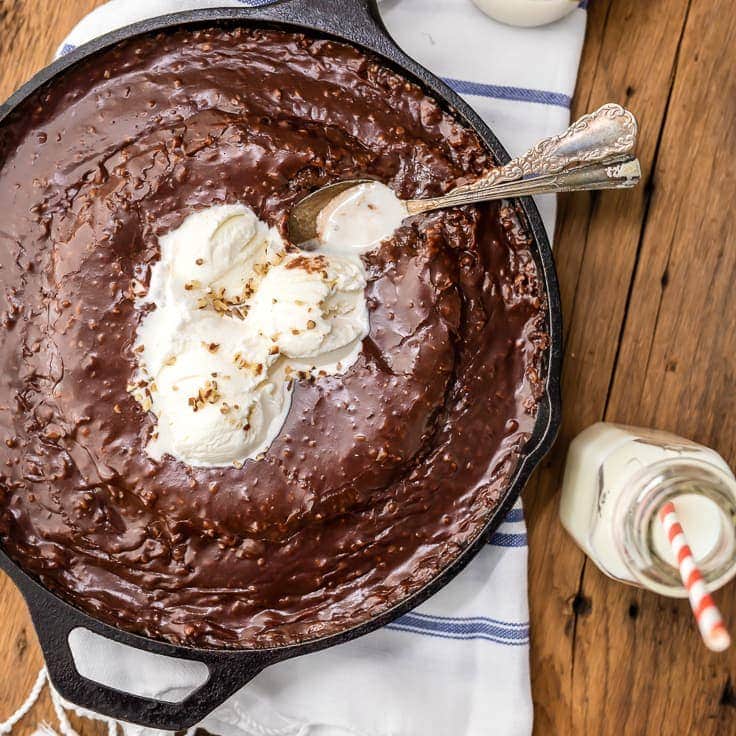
x=227, y=314
x=216, y=248
x=195, y=419
x=345, y=306
x=213, y=406
x=311, y=305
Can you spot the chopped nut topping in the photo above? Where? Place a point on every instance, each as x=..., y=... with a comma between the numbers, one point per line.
x=310, y=264
x=244, y=364
x=206, y=395
x=222, y=304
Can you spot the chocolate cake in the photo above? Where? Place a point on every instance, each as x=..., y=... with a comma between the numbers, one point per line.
x=379, y=475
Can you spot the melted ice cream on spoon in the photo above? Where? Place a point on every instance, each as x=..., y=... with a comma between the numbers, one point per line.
x=359, y=218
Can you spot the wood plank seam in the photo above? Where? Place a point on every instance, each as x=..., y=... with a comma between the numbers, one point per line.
x=649, y=186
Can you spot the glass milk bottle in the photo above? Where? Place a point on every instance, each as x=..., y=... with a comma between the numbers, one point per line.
x=616, y=480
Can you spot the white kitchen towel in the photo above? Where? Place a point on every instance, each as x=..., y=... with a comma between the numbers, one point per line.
x=459, y=664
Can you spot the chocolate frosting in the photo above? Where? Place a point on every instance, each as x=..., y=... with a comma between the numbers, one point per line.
x=380, y=476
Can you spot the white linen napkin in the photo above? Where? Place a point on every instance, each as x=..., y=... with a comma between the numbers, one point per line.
x=459, y=664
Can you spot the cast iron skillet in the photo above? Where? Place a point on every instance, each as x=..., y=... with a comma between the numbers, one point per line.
x=357, y=22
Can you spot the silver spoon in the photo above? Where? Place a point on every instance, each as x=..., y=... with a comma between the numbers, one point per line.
x=595, y=152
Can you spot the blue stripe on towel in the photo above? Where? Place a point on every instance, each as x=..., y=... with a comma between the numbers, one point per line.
x=499, y=539
x=477, y=628
x=511, y=624
x=514, y=515
x=502, y=92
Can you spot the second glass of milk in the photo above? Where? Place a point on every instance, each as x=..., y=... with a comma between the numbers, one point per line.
x=616, y=480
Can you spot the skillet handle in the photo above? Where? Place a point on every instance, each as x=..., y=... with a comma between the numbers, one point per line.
x=54, y=620
x=356, y=20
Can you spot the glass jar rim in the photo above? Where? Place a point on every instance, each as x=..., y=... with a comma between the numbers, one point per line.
x=636, y=509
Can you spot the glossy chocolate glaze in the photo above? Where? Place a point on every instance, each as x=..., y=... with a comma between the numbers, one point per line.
x=379, y=476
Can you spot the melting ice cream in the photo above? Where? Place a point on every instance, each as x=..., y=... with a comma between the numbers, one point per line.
x=231, y=319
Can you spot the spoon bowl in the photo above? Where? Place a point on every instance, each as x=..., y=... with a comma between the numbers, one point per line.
x=302, y=223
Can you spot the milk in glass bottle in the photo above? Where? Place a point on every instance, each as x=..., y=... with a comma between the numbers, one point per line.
x=616, y=480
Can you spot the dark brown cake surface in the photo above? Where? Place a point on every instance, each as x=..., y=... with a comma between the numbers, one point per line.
x=379, y=476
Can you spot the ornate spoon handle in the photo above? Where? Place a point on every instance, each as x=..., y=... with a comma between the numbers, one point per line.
x=606, y=136
x=621, y=175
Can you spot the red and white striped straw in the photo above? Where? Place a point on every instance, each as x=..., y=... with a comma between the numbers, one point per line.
x=707, y=615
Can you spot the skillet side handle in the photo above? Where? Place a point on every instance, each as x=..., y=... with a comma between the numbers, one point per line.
x=55, y=620
x=357, y=20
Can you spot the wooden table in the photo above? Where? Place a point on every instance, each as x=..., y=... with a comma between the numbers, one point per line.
x=650, y=310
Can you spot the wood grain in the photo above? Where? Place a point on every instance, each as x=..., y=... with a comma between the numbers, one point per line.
x=675, y=370
x=646, y=284
x=646, y=280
